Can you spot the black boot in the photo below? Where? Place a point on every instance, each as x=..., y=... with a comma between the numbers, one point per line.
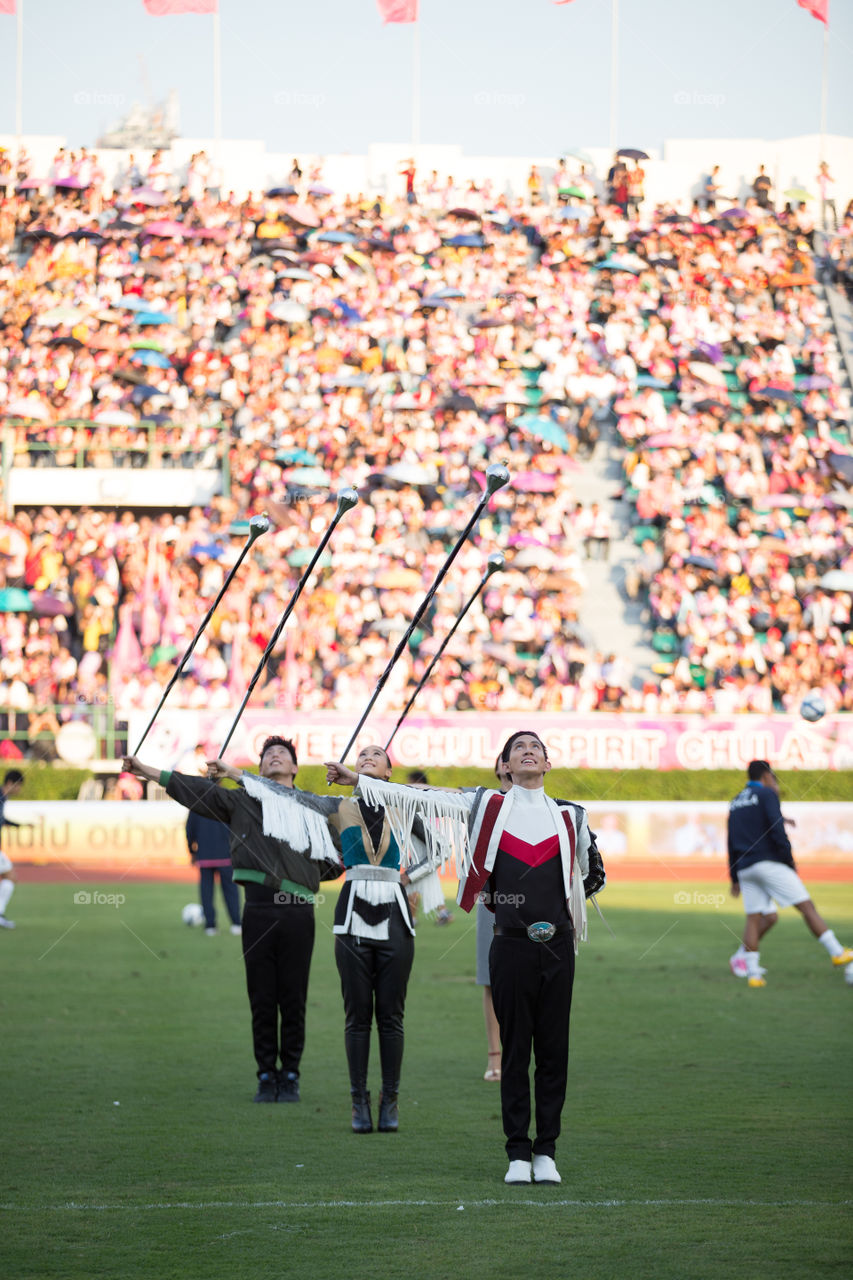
x=388, y=1117
x=362, y=1121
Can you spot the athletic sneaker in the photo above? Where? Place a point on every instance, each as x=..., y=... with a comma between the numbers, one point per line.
x=737, y=964
x=517, y=1173
x=10, y=924
x=846, y=957
x=236, y=930
x=756, y=982
x=545, y=1171
x=267, y=1087
x=288, y=1087
x=211, y=932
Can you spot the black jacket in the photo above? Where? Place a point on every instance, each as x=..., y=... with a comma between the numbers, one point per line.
x=251, y=850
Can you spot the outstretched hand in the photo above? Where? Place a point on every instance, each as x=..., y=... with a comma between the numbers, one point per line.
x=340, y=775
x=218, y=769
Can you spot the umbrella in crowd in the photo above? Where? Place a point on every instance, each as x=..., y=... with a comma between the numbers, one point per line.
x=632, y=153
x=837, y=580
x=166, y=228
x=302, y=214
x=289, y=312
x=399, y=578
x=147, y=356
x=737, y=212
x=797, y=193
x=413, y=473
x=281, y=193
x=577, y=192
x=534, y=482
x=707, y=373
x=543, y=428
x=701, y=562
x=315, y=477
x=15, y=600
x=47, y=604
x=336, y=237
x=296, y=273
x=300, y=557
x=466, y=242
x=296, y=458
x=464, y=215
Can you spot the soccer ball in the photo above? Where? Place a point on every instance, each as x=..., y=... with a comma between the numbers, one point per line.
x=192, y=914
x=812, y=707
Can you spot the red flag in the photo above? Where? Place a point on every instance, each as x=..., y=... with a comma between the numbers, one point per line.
x=7, y=6
x=398, y=10
x=817, y=8
x=160, y=8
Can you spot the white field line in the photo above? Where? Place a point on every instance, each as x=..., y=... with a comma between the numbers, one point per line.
x=166, y=1206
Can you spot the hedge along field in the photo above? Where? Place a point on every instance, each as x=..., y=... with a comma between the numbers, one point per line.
x=46, y=783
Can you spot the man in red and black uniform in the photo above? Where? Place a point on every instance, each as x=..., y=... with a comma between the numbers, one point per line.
x=536, y=860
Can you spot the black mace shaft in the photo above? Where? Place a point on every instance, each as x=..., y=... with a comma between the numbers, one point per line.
x=496, y=477
x=258, y=525
x=496, y=562
x=347, y=498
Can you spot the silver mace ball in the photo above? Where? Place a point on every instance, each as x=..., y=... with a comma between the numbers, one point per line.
x=496, y=477
x=347, y=498
x=258, y=525
x=495, y=563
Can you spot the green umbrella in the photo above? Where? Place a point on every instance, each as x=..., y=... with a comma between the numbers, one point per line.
x=300, y=557
x=163, y=653
x=573, y=191
x=15, y=600
x=797, y=193
x=147, y=344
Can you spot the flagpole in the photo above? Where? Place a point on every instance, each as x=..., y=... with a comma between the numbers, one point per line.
x=824, y=91
x=19, y=75
x=217, y=96
x=614, y=73
x=416, y=81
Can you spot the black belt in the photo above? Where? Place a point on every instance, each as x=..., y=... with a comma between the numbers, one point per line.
x=542, y=931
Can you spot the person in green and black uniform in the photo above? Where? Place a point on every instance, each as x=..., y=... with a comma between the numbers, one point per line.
x=280, y=879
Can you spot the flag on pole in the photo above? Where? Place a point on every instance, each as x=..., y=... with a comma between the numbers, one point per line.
x=161, y=8
x=398, y=10
x=817, y=8
x=7, y=6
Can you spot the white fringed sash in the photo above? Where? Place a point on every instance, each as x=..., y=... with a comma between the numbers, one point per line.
x=286, y=818
x=444, y=816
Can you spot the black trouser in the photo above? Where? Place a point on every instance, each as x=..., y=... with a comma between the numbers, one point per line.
x=532, y=995
x=375, y=975
x=230, y=892
x=277, y=946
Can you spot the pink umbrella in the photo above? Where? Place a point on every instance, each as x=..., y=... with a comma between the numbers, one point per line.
x=666, y=440
x=32, y=184
x=166, y=228
x=28, y=407
x=145, y=196
x=301, y=213
x=534, y=482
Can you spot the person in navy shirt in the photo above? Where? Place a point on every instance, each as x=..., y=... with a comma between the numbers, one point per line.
x=761, y=869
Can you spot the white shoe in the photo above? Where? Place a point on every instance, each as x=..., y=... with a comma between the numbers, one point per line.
x=518, y=1172
x=737, y=964
x=236, y=930
x=6, y=924
x=211, y=933
x=545, y=1171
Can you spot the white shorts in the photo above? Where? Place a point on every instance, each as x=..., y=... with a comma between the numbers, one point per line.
x=5, y=863
x=765, y=884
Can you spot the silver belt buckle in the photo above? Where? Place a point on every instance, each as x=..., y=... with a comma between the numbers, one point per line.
x=541, y=931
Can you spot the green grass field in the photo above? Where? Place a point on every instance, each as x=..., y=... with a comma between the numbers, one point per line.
x=706, y=1132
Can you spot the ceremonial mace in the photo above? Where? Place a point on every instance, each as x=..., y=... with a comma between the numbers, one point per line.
x=494, y=564
x=257, y=525
x=347, y=498
x=496, y=476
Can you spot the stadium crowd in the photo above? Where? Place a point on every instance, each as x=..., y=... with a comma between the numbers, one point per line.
x=302, y=341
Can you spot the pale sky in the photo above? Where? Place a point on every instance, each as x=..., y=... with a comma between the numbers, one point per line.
x=499, y=77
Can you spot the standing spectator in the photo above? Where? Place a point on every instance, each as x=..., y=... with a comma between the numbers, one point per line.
x=711, y=187
x=408, y=172
x=762, y=186
x=208, y=843
x=826, y=185
x=598, y=531
x=12, y=784
x=636, y=188
x=761, y=866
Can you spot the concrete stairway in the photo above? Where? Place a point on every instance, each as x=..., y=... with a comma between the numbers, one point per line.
x=612, y=623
